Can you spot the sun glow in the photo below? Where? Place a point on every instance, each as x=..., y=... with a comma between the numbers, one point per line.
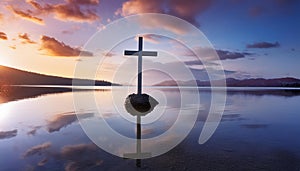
x=6, y=52
x=5, y=110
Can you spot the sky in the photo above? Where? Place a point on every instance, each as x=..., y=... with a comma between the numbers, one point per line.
x=254, y=39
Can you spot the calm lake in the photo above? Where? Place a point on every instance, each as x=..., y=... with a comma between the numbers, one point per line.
x=259, y=130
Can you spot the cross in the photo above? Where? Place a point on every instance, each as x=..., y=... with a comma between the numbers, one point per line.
x=140, y=53
x=139, y=154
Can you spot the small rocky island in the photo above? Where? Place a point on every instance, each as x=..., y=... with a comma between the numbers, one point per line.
x=140, y=104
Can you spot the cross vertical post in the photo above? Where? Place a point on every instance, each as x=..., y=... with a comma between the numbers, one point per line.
x=140, y=61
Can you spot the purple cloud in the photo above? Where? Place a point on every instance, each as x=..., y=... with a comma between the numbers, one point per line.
x=263, y=45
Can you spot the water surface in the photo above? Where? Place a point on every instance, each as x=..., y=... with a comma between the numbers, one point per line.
x=259, y=130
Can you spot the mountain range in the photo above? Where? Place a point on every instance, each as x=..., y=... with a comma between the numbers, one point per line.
x=232, y=82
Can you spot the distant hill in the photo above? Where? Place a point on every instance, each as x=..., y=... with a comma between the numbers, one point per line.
x=11, y=76
x=232, y=82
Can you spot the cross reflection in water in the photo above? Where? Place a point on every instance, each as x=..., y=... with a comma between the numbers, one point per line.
x=139, y=105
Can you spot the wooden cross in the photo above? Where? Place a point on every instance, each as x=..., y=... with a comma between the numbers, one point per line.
x=140, y=53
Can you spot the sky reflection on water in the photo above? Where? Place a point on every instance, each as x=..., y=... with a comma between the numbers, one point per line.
x=258, y=131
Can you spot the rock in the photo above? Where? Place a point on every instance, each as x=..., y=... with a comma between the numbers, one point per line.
x=140, y=104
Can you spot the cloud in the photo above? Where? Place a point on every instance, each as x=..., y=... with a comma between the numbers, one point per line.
x=56, y=48
x=43, y=162
x=254, y=126
x=187, y=10
x=26, y=15
x=25, y=39
x=193, y=62
x=73, y=13
x=72, y=10
x=75, y=157
x=84, y=2
x=39, y=149
x=263, y=45
x=83, y=165
x=232, y=117
x=209, y=53
x=109, y=53
x=73, y=154
x=147, y=131
x=152, y=22
x=224, y=54
x=62, y=120
x=3, y=36
x=14, y=47
x=153, y=38
x=71, y=31
x=33, y=130
x=1, y=17
x=141, y=6
x=8, y=134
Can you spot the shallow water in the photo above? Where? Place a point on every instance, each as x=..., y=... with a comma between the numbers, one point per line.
x=259, y=130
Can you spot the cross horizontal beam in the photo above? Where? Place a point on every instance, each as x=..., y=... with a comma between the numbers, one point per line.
x=137, y=155
x=136, y=53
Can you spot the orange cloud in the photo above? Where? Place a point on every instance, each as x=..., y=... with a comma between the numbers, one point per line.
x=64, y=119
x=153, y=38
x=55, y=48
x=3, y=36
x=187, y=10
x=141, y=6
x=25, y=39
x=152, y=22
x=84, y=2
x=72, y=10
x=13, y=47
x=1, y=16
x=26, y=15
x=73, y=13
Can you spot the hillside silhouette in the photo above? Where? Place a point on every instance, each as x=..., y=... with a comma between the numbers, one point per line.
x=12, y=76
x=232, y=82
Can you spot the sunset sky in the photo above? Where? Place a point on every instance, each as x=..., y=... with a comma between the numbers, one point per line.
x=253, y=38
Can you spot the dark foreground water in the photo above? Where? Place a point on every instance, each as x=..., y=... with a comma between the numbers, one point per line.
x=259, y=130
